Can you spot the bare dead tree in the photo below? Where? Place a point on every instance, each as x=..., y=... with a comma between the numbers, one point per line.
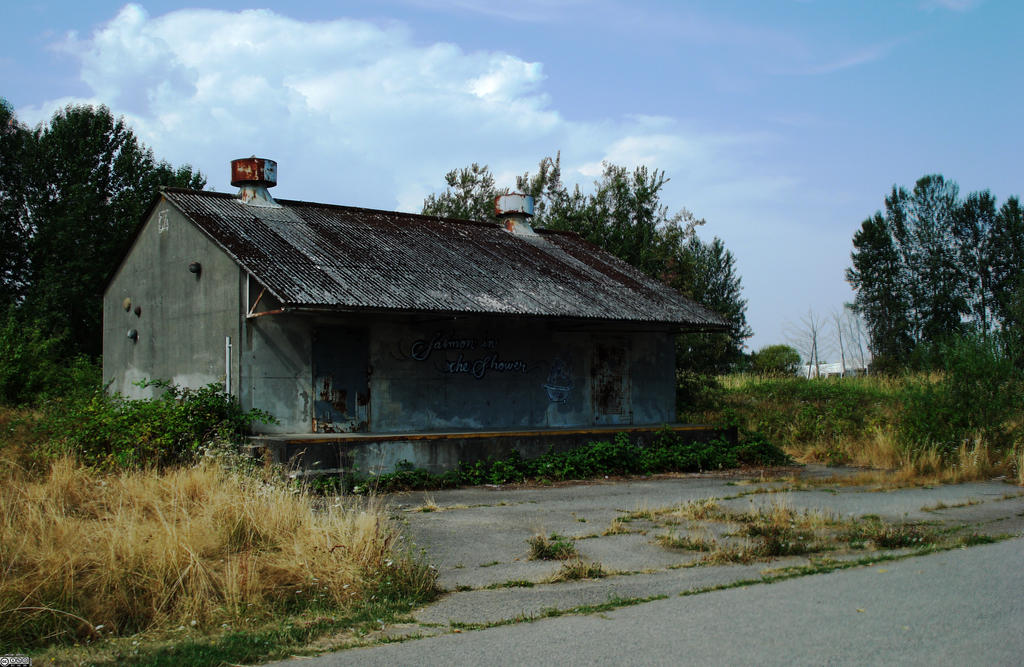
x=837, y=328
x=807, y=337
x=856, y=337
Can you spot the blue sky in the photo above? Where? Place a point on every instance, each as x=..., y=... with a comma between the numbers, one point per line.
x=782, y=123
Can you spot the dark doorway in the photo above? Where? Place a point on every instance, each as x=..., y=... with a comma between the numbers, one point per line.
x=340, y=380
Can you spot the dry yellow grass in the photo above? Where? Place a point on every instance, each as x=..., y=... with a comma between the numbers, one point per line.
x=972, y=461
x=855, y=421
x=84, y=555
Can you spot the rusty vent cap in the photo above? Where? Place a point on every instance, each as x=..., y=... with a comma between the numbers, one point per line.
x=254, y=171
x=513, y=203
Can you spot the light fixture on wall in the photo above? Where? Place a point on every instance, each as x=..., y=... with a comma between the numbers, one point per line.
x=133, y=335
x=196, y=268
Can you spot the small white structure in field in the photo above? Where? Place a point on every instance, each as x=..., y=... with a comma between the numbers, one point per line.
x=831, y=370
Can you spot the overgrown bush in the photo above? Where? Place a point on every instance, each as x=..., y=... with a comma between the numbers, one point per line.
x=775, y=360
x=978, y=395
x=35, y=364
x=110, y=431
x=800, y=412
x=695, y=391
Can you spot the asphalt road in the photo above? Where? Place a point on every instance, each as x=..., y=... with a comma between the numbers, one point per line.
x=961, y=607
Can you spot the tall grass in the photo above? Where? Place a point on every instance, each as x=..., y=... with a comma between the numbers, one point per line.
x=921, y=426
x=85, y=555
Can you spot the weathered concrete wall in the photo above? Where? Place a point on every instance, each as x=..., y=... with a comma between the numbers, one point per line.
x=456, y=374
x=470, y=373
x=477, y=374
x=653, y=376
x=466, y=373
x=276, y=374
x=370, y=454
x=183, y=319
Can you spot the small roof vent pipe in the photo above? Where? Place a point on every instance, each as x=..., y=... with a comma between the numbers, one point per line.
x=515, y=210
x=253, y=175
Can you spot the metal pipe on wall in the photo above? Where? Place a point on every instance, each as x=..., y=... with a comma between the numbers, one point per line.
x=227, y=365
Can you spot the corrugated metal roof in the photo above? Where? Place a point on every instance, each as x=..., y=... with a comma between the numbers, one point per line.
x=326, y=256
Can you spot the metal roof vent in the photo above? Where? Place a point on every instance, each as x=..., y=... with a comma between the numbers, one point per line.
x=515, y=209
x=253, y=175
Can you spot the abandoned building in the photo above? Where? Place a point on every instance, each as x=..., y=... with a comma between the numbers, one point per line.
x=389, y=330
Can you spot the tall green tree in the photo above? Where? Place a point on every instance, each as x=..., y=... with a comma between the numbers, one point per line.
x=936, y=267
x=1007, y=251
x=974, y=232
x=923, y=226
x=879, y=281
x=716, y=285
x=15, y=139
x=88, y=183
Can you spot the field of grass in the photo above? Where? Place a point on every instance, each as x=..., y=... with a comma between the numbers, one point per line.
x=217, y=565
x=862, y=421
x=208, y=559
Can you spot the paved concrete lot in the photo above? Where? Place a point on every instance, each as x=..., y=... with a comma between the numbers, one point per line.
x=960, y=607
x=897, y=610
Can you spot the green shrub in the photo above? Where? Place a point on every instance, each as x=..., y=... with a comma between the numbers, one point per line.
x=978, y=395
x=804, y=412
x=35, y=366
x=696, y=391
x=110, y=431
x=775, y=360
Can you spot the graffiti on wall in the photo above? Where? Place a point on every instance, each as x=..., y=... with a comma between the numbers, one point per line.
x=477, y=356
x=559, y=382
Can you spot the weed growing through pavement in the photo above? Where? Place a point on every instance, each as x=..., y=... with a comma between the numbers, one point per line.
x=577, y=568
x=428, y=505
x=776, y=530
x=553, y=547
x=511, y=583
x=618, y=527
x=687, y=542
x=943, y=506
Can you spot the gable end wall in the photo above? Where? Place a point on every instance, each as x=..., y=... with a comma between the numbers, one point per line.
x=183, y=319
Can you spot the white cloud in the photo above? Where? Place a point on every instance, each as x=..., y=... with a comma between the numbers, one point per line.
x=361, y=113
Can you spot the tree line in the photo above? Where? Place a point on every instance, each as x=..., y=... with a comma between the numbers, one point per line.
x=624, y=214
x=935, y=266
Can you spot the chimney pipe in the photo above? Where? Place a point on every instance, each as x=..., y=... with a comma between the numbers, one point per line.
x=253, y=175
x=515, y=210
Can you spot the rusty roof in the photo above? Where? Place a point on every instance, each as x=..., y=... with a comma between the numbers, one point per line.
x=312, y=255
